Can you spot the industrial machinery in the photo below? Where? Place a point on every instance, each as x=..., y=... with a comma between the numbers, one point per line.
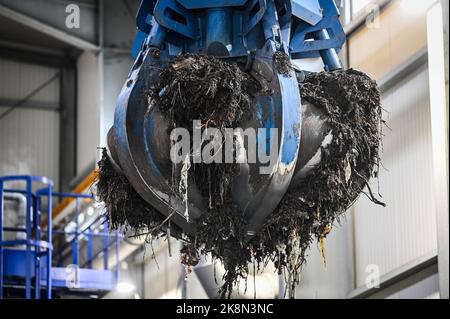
x=30, y=264
x=248, y=32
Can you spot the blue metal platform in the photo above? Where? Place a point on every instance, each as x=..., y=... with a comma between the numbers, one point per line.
x=61, y=277
x=29, y=262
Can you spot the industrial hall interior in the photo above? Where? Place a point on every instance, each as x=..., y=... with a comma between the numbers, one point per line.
x=209, y=149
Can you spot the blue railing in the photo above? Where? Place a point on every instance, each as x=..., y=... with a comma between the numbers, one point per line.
x=32, y=257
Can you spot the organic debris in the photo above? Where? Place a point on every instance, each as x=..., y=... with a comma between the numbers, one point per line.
x=203, y=87
x=282, y=63
x=306, y=213
x=220, y=95
x=125, y=209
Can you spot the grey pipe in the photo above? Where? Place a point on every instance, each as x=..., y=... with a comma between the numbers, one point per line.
x=21, y=201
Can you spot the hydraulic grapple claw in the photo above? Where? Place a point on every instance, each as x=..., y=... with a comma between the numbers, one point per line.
x=266, y=34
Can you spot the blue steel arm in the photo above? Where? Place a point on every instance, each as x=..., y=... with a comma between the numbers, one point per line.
x=310, y=28
x=307, y=41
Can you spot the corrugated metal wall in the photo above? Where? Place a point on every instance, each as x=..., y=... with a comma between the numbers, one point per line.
x=406, y=229
x=29, y=135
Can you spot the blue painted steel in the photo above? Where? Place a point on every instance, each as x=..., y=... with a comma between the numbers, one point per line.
x=307, y=10
x=270, y=25
x=87, y=279
x=284, y=12
x=285, y=104
x=37, y=220
x=157, y=35
x=250, y=31
x=132, y=125
x=33, y=243
x=138, y=42
x=75, y=259
x=329, y=56
x=173, y=16
x=32, y=265
x=219, y=39
x=303, y=42
x=188, y=22
x=253, y=14
x=91, y=279
x=204, y=4
x=143, y=18
x=14, y=263
x=28, y=247
x=90, y=247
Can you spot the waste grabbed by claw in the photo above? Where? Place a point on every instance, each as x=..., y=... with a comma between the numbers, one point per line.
x=340, y=138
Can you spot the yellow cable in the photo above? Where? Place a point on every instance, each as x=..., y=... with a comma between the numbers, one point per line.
x=322, y=248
